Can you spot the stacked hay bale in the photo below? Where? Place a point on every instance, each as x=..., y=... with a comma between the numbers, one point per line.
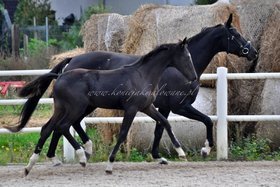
x=254, y=19
x=104, y=32
x=267, y=101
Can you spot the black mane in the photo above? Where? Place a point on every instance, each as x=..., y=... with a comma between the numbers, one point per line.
x=145, y=57
x=202, y=32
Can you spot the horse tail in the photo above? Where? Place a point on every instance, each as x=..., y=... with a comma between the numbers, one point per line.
x=36, y=89
x=39, y=86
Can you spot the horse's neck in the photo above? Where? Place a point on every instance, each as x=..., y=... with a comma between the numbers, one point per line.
x=152, y=70
x=202, y=51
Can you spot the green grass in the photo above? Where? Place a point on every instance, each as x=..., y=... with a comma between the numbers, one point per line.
x=18, y=147
x=41, y=110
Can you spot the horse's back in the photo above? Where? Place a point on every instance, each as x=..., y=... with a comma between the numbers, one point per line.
x=100, y=60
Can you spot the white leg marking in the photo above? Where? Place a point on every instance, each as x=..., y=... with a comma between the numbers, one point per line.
x=109, y=168
x=33, y=159
x=81, y=155
x=162, y=160
x=88, y=147
x=205, y=151
x=180, y=152
x=55, y=161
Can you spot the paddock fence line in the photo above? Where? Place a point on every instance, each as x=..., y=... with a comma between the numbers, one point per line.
x=222, y=116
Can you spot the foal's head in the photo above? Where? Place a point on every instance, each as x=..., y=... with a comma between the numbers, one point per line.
x=182, y=60
x=236, y=44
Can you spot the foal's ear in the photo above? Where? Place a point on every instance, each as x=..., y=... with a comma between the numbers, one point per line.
x=184, y=43
x=229, y=21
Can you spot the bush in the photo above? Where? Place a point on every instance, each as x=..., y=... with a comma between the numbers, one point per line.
x=252, y=148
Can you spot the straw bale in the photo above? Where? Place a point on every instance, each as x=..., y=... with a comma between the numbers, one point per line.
x=107, y=130
x=252, y=96
x=269, y=56
x=267, y=101
x=104, y=32
x=152, y=25
x=253, y=16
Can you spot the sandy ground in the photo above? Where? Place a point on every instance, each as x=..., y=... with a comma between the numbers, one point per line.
x=265, y=173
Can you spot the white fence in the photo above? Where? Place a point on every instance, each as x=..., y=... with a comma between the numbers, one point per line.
x=222, y=117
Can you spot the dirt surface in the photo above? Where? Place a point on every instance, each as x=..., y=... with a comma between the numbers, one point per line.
x=265, y=173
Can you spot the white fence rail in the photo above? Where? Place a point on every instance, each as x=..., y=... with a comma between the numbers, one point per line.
x=222, y=117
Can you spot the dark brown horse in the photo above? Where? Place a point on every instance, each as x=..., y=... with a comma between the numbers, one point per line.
x=131, y=88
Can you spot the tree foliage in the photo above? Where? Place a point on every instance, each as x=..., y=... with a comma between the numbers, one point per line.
x=28, y=9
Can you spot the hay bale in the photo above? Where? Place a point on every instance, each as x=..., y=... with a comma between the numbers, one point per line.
x=152, y=25
x=107, y=130
x=253, y=16
x=266, y=101
x=104, y=32
x=252, y=95
x=269, y=56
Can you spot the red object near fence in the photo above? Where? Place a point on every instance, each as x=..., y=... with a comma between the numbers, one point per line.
x=4, y=86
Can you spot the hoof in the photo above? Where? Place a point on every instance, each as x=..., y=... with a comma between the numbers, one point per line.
x=26, y=172
x=57, y=164
x=204, y=154
x=83, y=164
x=205, y=151
x=162, y=161
x=109, y=172
x=183, y=158
x=55, y=161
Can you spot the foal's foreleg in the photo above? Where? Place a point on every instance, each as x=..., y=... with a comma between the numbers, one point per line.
x=153, y=113
x=127, y=121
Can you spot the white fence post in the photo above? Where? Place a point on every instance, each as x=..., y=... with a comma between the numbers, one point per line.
x=68, y=150
x=222, y=134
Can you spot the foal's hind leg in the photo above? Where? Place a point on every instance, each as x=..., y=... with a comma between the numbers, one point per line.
x=45, y=133
x=54, y=142
x=51, y=152
x=127, y=121
x=153, y=113
x=84, y=137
